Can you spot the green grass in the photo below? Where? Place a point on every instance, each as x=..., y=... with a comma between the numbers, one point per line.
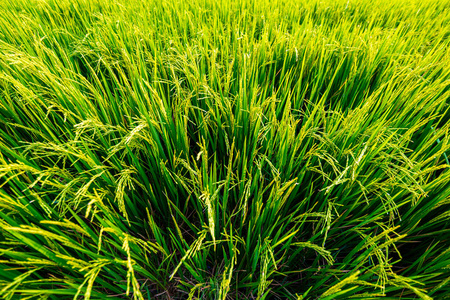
x=272, y=149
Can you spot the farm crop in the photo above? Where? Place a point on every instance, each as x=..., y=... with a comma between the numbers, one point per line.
x=200, y=149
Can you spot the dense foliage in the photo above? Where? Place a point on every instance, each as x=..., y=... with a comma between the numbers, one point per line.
x=271, y=149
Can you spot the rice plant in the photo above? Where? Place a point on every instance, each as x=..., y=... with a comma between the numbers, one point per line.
x=199, y=149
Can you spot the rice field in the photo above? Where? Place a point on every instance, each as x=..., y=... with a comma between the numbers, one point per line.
x=200, y=149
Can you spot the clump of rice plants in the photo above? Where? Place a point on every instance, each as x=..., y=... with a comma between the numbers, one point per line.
x=199, y=149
